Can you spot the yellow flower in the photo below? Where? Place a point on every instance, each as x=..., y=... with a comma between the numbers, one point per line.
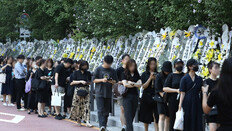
x=67, y=48
x=91, y=55
x=158, y=46
x=211, y=43
x=78, y=49
x=81, y=56
x=71, y=55
x=101, y=55
x=187, y=34
x=220, y=56
x=93, y=49
x=177, y=46
x=201, y=43
x=65, y=55
x=121, y=46
x=108, y=47
x=174, y=57
x=205, y=71
x=150, y=50
x=171, y=34
x=2, y=54
x=13, y=49
x=164, y=35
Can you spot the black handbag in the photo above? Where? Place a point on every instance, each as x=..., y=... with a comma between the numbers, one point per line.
x=214, y=111
x=82, y=93
x=158, y=98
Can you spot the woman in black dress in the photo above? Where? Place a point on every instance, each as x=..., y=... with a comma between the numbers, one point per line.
x=49, y=72
x=190, y=88
x=7, y=87
x=221, y=97
x=171, y=86
x=131, y=80
x=162, y=106
x=32, y=104
x=148, y=108
x=42, y=90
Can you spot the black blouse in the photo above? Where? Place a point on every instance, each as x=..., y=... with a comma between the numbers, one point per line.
x=151, y=87
x=78, y=75
x=133, y=78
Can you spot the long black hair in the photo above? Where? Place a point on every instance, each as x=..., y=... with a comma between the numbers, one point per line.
x=149, y=62
x=224, y=85
x=127, y=70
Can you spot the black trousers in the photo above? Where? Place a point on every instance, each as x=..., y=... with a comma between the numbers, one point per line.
x=20, y=92
x=32, y=100
x=104, y=108
x=130, y=104
x=67, y=100
x=173, y=108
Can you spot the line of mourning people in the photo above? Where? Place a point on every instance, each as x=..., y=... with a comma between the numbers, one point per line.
x=157, y=96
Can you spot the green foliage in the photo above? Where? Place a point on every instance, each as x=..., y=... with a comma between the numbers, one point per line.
x=54, y=19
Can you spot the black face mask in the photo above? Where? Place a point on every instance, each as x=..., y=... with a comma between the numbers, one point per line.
x=195, y=68
x=179, y=68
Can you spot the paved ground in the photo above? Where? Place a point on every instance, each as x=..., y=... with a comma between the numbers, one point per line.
x=13, y=120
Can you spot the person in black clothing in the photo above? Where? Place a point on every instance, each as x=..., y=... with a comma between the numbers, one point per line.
x=49, y=71
x=7, y=87
x=31, y=102
x=171, y=86
x=104, y=77
x=120, y=70
x=221, y=97
x=214, y=70
x=162, y=106
x=131, y=80
x=42, y=89
x=81, y=103
x=148, y=108
x=190, y=100
x=59, y=81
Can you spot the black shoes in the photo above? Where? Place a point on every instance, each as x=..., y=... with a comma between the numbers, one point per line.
x=59, y=117
x=42, y=116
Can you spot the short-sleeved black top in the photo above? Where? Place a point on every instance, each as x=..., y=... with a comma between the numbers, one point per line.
x=224, y=109
x=49, y=72
x=159, y=82
x=78, y=75
x=211, y=83
x=151, y=87
x=63, y=74
x=39, y=73
x=133, y=78
x=104, y=89
x=120, y=71
x=173, y=81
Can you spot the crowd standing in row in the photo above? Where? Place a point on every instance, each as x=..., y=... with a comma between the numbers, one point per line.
x=162, y=94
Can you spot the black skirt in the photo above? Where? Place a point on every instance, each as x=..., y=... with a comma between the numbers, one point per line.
x=42, y=96
x=162, y=108
x=148, y=110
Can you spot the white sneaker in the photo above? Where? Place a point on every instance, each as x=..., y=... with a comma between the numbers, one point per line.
x=11, y=104
x=88, y=124
x=22, y=109
x=5, y=104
